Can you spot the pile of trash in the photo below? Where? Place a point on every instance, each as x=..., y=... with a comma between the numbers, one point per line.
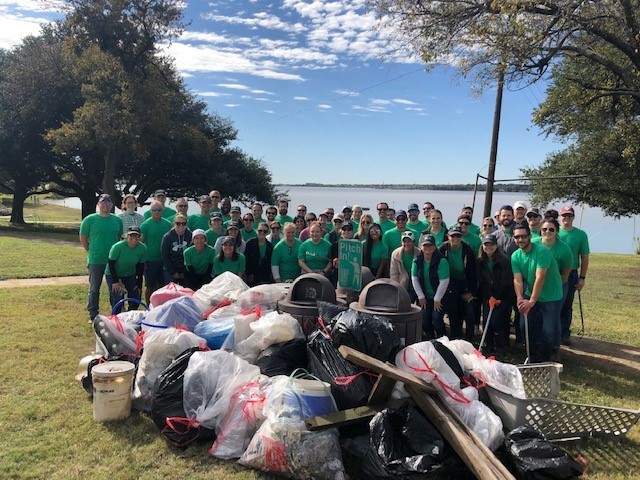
x=222, y=365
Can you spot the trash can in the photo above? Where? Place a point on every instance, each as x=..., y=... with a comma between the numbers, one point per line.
x=390, y=299
x=341, y=293
x=302, y=296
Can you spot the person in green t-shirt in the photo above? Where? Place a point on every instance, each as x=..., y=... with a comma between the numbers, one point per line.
x=436, y=227
x=198, y=260
x=284, y=259
x=314, y=255
x=375, y=254
x=414, y=224
x=167, y=212
x=98, y=233
x=201, y=220
x=182, y=207
x=468, y=237
x=125, y=269
x=538, y=287
x=393, y=238
x=247, y=230
x=534, y=218
x=229, y=260
x=215, y=230
x=256, y=210
x=152, y=231
x=283, y=209
x=401, y=262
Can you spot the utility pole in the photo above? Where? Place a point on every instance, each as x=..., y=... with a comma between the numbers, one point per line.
x=493, y=155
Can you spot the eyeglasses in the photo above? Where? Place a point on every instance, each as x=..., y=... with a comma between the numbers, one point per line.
x=487, y=225
x=374, y=230
x=275, y=228
x=247, y=220
x=180, y=224
x=520, y=237
x=552, y=229
x=156, y=209
x=263, y=231
x=464, y=223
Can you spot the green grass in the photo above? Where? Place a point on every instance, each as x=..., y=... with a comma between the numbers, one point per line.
x=36, y=210
x=23, y=258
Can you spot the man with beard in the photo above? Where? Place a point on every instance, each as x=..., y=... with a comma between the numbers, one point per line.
x=201, y=220
x=504, y=234
x=534, y=217
x=519, y=212
x=283, y=209
x=414, y=224
x=225, y=209
x=256, y=210
x=383, y=216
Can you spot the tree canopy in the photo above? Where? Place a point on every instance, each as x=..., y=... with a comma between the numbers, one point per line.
x=89, y=106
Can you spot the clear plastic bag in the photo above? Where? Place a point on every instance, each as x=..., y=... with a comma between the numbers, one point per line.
x=182, y=311
x=283, y=445
x=272, y=328
x=161, y=347
x=486, y=424
x=169, y=292
x=226, y=286
x=243, y=323
x=114, y=337
x=260, y=295
x=209, y=382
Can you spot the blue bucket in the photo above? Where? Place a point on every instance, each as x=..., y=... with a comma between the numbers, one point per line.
x=215, y=332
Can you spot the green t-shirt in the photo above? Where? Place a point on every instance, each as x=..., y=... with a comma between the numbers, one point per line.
x=443, y=273
x=329, y=227
x=417, y=228
x=126, y=258
x=167, y=212
x=200, y=261
x=103, y=233
x=527, y=263
x=198, y=221
x=152, y=232
x=257, y=223
x=246, y=236
x=392, y=239
x=456, y=265
x=535, y=235
x=578, y=242
x=228, y=265
x=283, y=219
x=379, y=251
x=474, y=229
x=263, y=250
x=387, y=225
x=440, y=236
x=407, y=261
x=561, y=252
x=213, y=236
x=286, y=258
x=314, y=255
x=474, y=241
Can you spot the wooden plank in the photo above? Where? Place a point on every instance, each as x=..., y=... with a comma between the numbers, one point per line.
x=382, y=389
x=480, y=460
x=352, y=415
x=390, y=371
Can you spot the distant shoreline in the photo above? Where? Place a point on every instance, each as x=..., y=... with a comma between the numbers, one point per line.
x=467, y=187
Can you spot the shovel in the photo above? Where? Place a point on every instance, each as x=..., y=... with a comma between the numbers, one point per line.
x=492, y=305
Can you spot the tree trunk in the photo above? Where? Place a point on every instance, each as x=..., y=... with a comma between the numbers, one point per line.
x=108, y=182
x=20, y=194
x=88, y=199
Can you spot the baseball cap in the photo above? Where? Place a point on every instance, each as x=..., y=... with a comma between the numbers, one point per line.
x=198, y=231
x=519, y=204
x=337, y=219
x=490, y=238
x=408, y=234
x=160, y=192
x=346, y=226
x=228, y=239
x=401, y=213
x=105, y=196
x=455, y=231
x=534, y=212
x=346, y=208
x=135, y=230
x=204, y=198
x=567, y=209
x=235, y=210
x=464, y=217
x=233, y=225
x=412, y=207
x=216, y=215
x=427, y=239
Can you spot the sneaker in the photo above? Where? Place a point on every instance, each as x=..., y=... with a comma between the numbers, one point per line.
x=567, y=341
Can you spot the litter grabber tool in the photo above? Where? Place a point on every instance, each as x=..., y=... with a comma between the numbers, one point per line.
x=581, y=334
x=492, y=305
x=525, y=313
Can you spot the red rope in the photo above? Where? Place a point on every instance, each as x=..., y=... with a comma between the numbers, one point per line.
x=181, y=426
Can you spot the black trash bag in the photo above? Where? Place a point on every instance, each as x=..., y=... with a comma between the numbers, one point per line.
x=87, y=380
x=283, y=358
x=329, y=311
x=367, y=333
x=535, y=458
x=350, y=386
x=167, y=410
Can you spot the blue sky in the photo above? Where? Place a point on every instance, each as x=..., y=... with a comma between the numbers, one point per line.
x=321, y=95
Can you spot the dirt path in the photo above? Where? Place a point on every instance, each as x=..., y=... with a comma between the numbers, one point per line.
x=44, y=282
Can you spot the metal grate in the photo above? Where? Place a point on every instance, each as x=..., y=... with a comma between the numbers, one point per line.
x=541, y=379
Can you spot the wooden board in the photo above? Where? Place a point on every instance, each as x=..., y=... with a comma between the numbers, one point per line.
x=352, y=415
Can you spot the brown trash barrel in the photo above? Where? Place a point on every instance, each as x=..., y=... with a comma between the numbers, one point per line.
x=302, y=296
x=390, y=299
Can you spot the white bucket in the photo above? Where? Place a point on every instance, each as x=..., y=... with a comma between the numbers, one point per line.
x=112, y=383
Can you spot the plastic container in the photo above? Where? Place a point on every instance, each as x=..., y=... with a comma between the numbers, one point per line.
x=310, y=397
x=112, y=382
x=215, y=332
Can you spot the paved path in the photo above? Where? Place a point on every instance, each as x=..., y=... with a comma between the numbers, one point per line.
x=44, y=282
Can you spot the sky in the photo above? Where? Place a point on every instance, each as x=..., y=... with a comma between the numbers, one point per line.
x=321, y=95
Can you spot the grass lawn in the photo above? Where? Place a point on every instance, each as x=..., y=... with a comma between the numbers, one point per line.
x=35, y=259
x=36, y=210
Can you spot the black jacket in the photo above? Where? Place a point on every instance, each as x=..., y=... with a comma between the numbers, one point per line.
x=434, y=280
x=499, y=282
x=260, y=269
x=470, y=268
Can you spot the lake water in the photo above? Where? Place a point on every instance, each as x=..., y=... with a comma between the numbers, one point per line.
x=606, y=234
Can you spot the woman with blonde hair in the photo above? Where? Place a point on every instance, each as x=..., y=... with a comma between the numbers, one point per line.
x=366, y=221
x=488, y=226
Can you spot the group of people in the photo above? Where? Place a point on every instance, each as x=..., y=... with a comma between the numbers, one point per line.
x=520, y=260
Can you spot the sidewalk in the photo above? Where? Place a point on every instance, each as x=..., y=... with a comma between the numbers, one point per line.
x=44, y=282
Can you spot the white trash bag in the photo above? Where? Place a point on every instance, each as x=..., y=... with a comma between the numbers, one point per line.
x=268, y=330
x=226, y=286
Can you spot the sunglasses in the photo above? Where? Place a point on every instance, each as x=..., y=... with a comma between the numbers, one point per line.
x=275, y=228
x=366, y=223
x=520, y=237
x=156, y=209
x=383, y=209
x=455, y=235
x=215, y=196
x=106, y=202
x=488, y=225
x=375, y=230
x=568, y=215
x=301, y=210
x=263, y=231
x=401, y=219
x=134, y=235
x=182, y=206
x=180, y=224
x=248, y=220
x=347, y=228
x=464, y=223
x=552, y=229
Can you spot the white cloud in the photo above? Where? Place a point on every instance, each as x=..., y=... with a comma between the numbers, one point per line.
x=402, y=101
x=415, y=109
x=231, y=105
x=371, y=109
x=213, y=94
x=34, y=5
x=324, y=106
x=13, y=28
x=301, y=98
x=347, y=93
x=380, y=101
x=233, y=86
x=269, y=111
x=259, y=19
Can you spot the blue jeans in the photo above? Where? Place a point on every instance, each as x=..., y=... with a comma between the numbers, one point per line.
x=459, y=311
x=567, y=307
x=130, y=286
x=432, y=321
x=96, y=272
x=543, y=320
